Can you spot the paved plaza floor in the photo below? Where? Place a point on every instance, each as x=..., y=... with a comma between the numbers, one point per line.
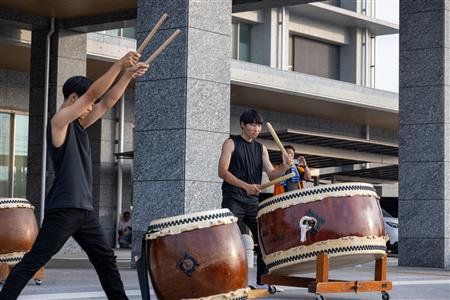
x=408, y=283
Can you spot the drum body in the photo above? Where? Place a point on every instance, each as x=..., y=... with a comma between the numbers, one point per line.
x=343, y=220
x=199, y=255
x=18, y=229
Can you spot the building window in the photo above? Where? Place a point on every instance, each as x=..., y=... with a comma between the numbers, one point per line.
x=333, y=2
x=129, y=32
x=241, y=37
x=314, y=57
x=13, y=154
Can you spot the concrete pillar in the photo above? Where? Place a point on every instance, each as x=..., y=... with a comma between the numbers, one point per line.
x=103, y=136
x=182, y=111
x=424, y=169
x=104, y=172
x=67, y=58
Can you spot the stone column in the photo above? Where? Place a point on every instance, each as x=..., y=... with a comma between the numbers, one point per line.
x=182, y=111
x=424, y=174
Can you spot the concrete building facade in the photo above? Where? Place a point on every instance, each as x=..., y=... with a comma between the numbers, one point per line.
x=307, y=66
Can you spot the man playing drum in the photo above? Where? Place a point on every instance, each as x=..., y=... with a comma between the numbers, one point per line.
x=241, y=164
x=69, y=210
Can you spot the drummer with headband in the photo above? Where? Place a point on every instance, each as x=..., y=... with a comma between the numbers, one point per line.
x=241, y=164
x=301, y=171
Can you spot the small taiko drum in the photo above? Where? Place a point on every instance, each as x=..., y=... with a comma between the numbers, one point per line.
x=18, y=229
x=197, y=256
x=342, y=220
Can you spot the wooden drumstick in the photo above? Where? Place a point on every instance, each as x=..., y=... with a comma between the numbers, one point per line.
x=152, y=32
x=277, y=140
x=275, y=181
x=163, y=46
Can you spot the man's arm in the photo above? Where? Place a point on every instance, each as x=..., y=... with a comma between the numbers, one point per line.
x=224, y=163
x=305, y=167
x=113, y=95
x=272, y=172
x=66, y=115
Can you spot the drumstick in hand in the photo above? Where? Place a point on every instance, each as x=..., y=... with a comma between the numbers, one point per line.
x=163, y=46
x=275, y=181
x=149, y=37
x=277, y=140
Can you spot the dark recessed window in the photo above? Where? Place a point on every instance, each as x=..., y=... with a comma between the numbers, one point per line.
x=314, y=57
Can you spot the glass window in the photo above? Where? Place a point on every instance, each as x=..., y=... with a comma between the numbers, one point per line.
x=113, y=32
x=386, y=214
x=129, y=32
x=333, y=2
x=234, y=39
x=291, y=53
x=240, y=41
x=13, y=155
x=5, y=155
x=20, y=156
x=244, y=41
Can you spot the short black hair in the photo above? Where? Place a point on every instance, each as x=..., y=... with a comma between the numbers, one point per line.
x=289, y=147
x=76, y=84
x=251, y=116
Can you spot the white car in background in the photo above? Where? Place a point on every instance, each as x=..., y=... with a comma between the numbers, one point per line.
x=391, y=227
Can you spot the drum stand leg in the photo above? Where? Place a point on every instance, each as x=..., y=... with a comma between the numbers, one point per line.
x=5, y=269
x=322, y=284
x=258, y=294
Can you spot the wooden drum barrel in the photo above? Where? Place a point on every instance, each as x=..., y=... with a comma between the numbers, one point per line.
x=199, y=255
x=343, y=220
x=18, y=229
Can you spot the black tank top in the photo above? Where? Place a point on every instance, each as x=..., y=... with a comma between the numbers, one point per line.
x=72, y=186
x=246, y=165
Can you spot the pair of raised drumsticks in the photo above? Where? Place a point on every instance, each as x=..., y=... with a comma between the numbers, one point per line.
x=149, y=37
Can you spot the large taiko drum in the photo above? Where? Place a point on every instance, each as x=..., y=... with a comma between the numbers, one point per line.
x=343, y=220
x=18, y=229
x=197, y=256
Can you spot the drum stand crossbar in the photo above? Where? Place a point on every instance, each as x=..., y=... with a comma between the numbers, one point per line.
x=321, y=284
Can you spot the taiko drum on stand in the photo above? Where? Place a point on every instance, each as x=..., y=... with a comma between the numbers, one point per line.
x=199, y=255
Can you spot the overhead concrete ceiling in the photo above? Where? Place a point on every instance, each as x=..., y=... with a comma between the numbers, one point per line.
x=15, y=57
x=68, y=8
x=246, y=5
x=293, y=104
x=334, y=141
x=344, y=17
x=65, y=9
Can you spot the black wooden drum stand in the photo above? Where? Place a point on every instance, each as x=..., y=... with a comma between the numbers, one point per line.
x=321, y=284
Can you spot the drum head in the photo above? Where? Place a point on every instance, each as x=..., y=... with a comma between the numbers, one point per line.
x=15, y=203
x=315, y=194
x=188, y=222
